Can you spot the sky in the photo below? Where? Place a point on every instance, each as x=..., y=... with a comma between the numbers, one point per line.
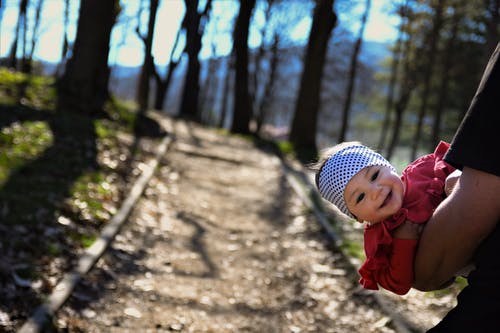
x=127, y=48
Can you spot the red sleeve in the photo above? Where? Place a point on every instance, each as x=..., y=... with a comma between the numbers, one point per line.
x=398, y=276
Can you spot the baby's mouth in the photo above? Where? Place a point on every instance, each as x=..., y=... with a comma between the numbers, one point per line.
x=387, y=199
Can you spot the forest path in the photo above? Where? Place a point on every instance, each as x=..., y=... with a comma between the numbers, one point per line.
x=220, y=242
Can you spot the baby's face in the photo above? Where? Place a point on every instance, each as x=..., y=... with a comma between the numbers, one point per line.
x=374, y=194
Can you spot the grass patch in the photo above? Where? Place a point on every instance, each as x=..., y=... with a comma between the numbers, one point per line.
x=222, y=131
x=89, y=197
x=286, y=147
x=21, y=142
x=353, y=249
x=459, y=284
x=121, y=113
x=84, y=240
x=36, y=92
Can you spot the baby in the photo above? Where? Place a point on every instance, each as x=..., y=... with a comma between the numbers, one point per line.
x=363, y=185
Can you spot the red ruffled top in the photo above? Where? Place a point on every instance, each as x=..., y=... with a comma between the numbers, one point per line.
x=389, y=261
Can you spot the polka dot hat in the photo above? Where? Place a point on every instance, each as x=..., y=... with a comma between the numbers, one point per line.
x=341, y=167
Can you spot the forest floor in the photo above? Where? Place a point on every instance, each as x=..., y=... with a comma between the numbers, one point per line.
x=220, y=242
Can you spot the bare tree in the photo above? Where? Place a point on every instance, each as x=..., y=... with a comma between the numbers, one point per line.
x=209, y=87
x=407, y=83
x=257, y=76
x=162, y=85
x=492, y=24
x=27, y=63
x=148, y=64
x=242, y=103
x=194, y=31
x=304, y=123
x=448, y=62
x=352, y=74
x=228, y=80
x=12, y=59
x=430, y=60
x=396, y=57
x=84, y=84
x=265, y=102
x=65, y=47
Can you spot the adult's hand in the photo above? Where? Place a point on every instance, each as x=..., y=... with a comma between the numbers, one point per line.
x=456, y=228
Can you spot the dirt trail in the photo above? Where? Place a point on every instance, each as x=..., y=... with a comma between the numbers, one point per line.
x=220, y=243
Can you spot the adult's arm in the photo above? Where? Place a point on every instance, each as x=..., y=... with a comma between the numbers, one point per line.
x=456, y=228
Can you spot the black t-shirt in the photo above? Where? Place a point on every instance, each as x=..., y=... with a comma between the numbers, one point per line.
x=476, y=145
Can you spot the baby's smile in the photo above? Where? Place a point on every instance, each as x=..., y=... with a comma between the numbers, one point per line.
x=387, y=199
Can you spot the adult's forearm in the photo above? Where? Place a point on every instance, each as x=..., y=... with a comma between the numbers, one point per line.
x=456, y=228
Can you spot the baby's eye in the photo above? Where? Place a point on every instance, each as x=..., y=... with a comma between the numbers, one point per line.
x=375, y=175
x=360, y=197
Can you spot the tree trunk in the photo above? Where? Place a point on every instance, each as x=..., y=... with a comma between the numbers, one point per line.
x=396, y=56
x=227, y=84
x=146, y=69
x=352, y=75
x=448, y=62
x=84, y=84
x=492, y=33
x=269, y=88
x=209, y=89
x=25, y=4
x=242, y=111
x=257, y=75
x=28, y=60
x=163, y=85
x=12, y=58
x=304, y=124
x=407, y=86
x=432, y=43
x=65, y=47
x=190, y=94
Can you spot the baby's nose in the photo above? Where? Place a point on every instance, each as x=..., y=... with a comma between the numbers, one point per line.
x=375, y=191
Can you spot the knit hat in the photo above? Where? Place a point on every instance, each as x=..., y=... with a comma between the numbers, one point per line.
x=341, y=167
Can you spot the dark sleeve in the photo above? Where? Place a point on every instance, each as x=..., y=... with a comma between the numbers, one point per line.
x=476, y=142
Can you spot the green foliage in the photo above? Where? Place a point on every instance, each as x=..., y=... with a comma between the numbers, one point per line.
x=82, y=239
x=353, y=249
x=121, y=112
x=37, y=92
x=10, y=78
x=89, y=195
x=103, y=129
x=53, y=249
x=20, y=143
x=459, y=284
x=286, y=147
x=222, y=131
